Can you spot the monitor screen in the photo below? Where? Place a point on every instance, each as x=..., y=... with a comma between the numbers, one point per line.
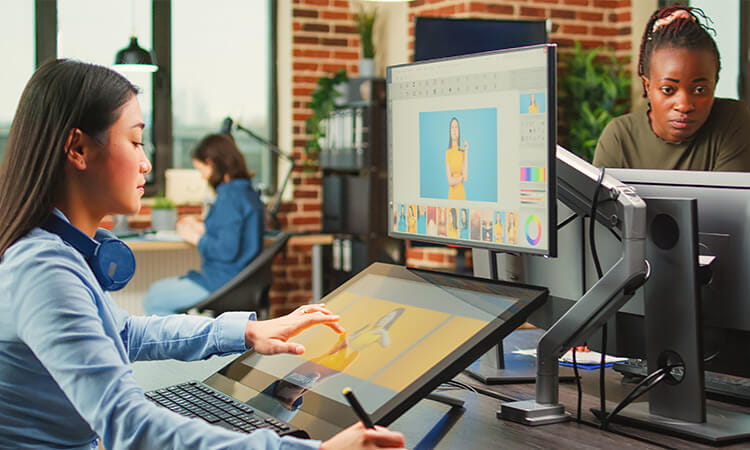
x=471, y=148
x=407, y=331
x=440, y=37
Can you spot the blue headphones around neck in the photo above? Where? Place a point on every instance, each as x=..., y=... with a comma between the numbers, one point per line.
x=112, y=262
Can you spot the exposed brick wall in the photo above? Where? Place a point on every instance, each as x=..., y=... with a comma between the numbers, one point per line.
x=292, y=272
x=324, y=39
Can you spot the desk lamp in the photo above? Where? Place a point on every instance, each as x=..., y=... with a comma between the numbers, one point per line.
x=226, y=128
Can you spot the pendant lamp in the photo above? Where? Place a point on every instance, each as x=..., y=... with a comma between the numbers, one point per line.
x=135, y=58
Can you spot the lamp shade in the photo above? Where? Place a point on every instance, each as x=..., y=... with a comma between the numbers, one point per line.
x=135, y=58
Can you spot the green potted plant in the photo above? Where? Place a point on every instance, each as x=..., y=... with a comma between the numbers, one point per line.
x=365, y=24
x=322, y=103
x=592, y=91
x=163, y=214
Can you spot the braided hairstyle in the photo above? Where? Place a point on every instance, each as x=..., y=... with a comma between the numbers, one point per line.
x=690, y=33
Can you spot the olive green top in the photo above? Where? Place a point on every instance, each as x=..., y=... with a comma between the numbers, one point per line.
x=721, y=144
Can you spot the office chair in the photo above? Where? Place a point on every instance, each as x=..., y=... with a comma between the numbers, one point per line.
x=248, y=290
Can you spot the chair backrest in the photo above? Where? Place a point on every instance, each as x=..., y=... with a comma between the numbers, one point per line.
x=248, y=290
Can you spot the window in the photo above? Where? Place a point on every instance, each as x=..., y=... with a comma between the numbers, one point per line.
x=221, y=65
x=104, y=29
x=221, y=60
x=724, y=21
x=16, y=45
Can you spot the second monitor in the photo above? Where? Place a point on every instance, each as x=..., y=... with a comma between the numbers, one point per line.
x=471, y=147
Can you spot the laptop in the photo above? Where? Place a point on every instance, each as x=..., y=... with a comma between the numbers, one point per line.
x=407, y=332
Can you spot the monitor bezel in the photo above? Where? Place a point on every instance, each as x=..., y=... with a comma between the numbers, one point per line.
x=551, y=251
x=682, y=178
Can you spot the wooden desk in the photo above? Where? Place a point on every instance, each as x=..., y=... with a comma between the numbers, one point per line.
x=144, y=245
x=430, y=424
x=571, y=434
x=433, y=425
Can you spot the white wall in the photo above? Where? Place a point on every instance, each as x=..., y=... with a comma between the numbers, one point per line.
x=725, y=15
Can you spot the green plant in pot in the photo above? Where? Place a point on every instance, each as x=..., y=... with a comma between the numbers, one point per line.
x=592, y=91
x=163, y=214
x=322, y=104
x=365, y=24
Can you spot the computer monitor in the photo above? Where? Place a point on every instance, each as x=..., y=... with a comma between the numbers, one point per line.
x=723, y=210
x=407, y=331
x=441, y=37
x=471, y=148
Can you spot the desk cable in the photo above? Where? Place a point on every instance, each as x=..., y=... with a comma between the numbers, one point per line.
x=453, y=384
x=576, y=375
x=599, y=273
x=645, y=385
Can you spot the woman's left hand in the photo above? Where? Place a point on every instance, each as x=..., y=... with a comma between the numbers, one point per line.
x=269, y=337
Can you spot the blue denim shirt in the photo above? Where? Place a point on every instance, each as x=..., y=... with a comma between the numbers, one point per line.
x=65, y=349
x=234, y=234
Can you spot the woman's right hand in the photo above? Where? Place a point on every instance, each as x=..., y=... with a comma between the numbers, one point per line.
x=190, y=229
x=359, y=437
x=269, y=337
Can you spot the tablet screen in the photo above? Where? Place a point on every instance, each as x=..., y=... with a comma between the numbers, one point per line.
x=407, y=331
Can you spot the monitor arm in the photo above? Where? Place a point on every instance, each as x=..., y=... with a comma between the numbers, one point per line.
x=577, y=184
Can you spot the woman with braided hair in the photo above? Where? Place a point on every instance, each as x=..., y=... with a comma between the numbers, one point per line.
x=685, y=127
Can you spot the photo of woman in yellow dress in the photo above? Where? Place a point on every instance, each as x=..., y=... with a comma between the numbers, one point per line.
x=452, y=223
x=411, y=219
x=512, y=228
x=499, y=224
x=456, y=163
x=533, y=107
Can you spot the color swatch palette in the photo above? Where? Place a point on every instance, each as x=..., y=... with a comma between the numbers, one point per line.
x=534, y=174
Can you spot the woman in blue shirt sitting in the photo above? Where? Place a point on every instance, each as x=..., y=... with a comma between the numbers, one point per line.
x=231, y=236
x=74, y=155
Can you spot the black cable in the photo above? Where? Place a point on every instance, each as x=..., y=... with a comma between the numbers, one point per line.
x=614, y=233
x=567, y=221
x=649, y=382
x=599, y=273
x=602, y=366
x=710, y=358
x=592, y=222
x=578, y=386
x=636, y=437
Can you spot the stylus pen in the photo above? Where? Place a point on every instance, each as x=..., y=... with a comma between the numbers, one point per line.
x=357, y=407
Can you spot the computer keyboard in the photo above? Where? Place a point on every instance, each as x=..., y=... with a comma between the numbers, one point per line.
x=196, y=399
x=724, y=387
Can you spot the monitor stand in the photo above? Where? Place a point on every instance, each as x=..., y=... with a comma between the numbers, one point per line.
x=496, y=366
x=678, y=406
